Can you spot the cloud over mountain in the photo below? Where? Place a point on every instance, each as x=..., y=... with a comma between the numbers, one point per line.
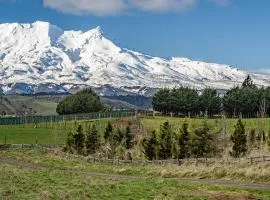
x=115, y=7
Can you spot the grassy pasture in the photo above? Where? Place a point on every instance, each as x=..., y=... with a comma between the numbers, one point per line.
x=45, y=133
x=76, y=181
x=55, y=132
x=215, y=124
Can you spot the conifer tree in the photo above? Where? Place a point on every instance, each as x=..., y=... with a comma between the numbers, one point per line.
x=92, y=140
x=184, y=137
x=108, y=131
x=248, y=82
x=150, y=146
x=128, y=138
x=239, y=140
x=118, y=137
x=165, y=141
x=251, y=138
x=79, y=140
x=202, y=142
x=70, y=143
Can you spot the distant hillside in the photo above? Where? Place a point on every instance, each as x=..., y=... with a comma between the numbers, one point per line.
x=46, y=104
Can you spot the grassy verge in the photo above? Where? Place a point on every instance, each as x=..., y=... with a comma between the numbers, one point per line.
x=26, y=184
x=259, y=173
x=18, y=182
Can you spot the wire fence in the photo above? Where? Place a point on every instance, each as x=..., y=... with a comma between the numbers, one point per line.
x=57, y=118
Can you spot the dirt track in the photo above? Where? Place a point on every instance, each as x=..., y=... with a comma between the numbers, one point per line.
x=234, y=184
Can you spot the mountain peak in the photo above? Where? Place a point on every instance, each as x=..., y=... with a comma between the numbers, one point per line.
x=41, y=53
x=96, y=33
x=53, y=31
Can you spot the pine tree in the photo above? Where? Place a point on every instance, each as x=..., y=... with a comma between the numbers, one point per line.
x=128, y=138
x=118, y=137
x=79, y=140
x=70, y=143
x=239, y=140
x=184, y=142
x=165, y=141
x=150, y=146
x=92, y=140
x=248, y=82
x=108, y=131
x=202, y=142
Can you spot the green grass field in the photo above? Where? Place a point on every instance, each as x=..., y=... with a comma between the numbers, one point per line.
x=215, y=124
x=45, y=133
x=55, y=133
x=52, y=176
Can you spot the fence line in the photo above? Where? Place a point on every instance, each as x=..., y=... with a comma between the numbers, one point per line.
x=207, y=161
x=58, y=118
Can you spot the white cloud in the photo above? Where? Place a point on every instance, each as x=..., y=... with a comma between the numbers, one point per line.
x=96, y=7
x=115, y=7
x=162, y=5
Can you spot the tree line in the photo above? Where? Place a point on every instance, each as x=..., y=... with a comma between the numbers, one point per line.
x=201, y=142
x=247, y=100
x=166, y=143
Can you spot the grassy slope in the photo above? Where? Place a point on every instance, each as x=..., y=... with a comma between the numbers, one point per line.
x=21, y=183
x=43, y=105
x=46, y=105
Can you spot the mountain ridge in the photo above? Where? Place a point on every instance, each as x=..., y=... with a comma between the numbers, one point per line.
x=41, y=57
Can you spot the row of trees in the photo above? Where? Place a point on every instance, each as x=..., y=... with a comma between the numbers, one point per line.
x=167, y=143
x=247, y=100
x=90, y=142
x=200, y=143
x=187, y=101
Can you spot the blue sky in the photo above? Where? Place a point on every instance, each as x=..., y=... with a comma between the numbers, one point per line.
x=235, y=32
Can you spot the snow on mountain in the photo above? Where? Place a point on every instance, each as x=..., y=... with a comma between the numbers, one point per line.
x=40, y=58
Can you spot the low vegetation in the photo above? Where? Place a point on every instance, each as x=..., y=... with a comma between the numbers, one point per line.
x=51, y=175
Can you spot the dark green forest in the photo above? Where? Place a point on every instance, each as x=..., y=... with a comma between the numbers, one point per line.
x=247, y=101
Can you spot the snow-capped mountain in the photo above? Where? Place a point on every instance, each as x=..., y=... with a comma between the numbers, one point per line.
x=42, y=58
